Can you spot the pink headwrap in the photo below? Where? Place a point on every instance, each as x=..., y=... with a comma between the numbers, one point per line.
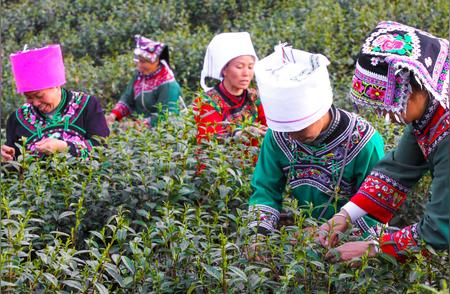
x=38, y=69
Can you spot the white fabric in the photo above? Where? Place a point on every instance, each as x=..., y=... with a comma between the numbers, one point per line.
x=223, y=48
x=294, y=88
x=354, y=211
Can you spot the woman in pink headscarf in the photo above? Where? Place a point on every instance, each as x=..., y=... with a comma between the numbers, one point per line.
x=53, y=119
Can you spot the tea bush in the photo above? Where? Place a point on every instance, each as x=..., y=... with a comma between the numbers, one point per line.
x=138, y=217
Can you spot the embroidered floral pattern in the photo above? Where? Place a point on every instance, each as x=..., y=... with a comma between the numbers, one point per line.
x=385, y=192
x=375, y=94
x=396, y=243
x=58, y=126
x=435, y=131
x=151, y=82
x=320, y=167
x=234, y=115
x=403, y=50
x=357, y=85
x=394, y=43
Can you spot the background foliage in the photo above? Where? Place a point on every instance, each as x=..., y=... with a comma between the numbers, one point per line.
x=71, y=226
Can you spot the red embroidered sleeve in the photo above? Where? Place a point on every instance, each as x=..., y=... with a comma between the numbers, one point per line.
x=380, y=196
x=407, y=239
x=121, y=110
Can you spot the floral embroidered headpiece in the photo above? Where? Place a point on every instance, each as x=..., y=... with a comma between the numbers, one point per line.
x=389, y=56
x=150, y=50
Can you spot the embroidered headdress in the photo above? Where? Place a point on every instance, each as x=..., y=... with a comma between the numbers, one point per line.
x=393, y=53
x=38, y=69
x=222, y=48
x=150, y=50
x=294, y=87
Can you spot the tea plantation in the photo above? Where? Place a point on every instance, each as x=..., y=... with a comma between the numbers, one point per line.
x=137, y=217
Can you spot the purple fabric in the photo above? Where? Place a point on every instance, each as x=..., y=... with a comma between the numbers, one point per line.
x=148, y=49
x=392, y=52
x=91, y=119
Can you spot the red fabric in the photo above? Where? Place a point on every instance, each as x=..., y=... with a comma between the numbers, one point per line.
x=378, y=198
x=434, y=132
x=121, y=111
x=214, y=115
x=400, y=241
x=208, y=120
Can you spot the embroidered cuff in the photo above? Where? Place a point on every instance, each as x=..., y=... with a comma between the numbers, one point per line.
x=396, y=243
x=121, y=110
x=264, y=217
x=380, y=196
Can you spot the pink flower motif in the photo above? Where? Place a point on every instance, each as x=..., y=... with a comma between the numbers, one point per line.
x=388, y=42
x=376, y=94
x=395, y=45
x=382, y=39
x=357, y=85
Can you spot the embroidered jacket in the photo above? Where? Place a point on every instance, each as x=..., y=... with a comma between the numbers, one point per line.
x=146, y=93
x=219, y=113
x=312, y=171
x=77, y=119
x=423, y=147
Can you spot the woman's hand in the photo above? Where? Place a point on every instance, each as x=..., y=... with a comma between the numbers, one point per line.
x=350, y=250
x=7, y=153
x=256, y=251
x=329, y=231
x=110, y=119
x=252, y=131
x=51, y=145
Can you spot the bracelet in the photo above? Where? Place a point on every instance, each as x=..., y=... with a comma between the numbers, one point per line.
x=342, y=214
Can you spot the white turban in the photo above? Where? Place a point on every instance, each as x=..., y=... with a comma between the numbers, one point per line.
x=294, y=88
x=222, y=48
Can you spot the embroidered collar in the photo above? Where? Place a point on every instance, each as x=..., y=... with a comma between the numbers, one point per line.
x=231, y=99
x=150, y=75
x=56, y=114
x=335, y=120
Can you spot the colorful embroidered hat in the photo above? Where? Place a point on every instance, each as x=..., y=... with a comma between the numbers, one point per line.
x=223, y=48
x=294, y=87
x=389, y=56
x=150, y=50
x=38, y=69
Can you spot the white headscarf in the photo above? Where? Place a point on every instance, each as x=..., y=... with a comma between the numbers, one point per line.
x=222, y=48
x=294, y=88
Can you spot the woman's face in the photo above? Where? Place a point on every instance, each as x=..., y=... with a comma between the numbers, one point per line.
x=45, y=100
x=311, y=132
x=415, y=107
x=238, y=73
x=146, y=67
